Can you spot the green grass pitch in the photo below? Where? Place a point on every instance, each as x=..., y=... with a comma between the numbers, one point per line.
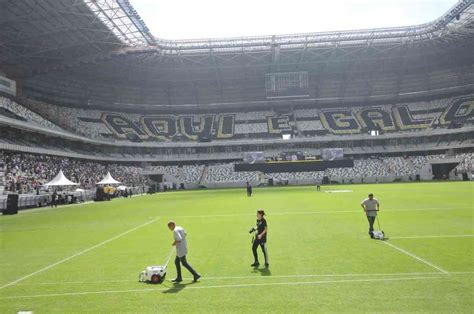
x=87, y=258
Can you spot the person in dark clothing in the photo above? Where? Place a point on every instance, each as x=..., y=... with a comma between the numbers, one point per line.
x=260, y=239
x=249, y=189
x=318, y=185
x=54, y=199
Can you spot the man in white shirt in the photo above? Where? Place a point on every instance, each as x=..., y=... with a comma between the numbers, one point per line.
x=371, y=206
x=181, y=244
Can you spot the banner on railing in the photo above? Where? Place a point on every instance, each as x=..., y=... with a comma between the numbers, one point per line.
x=254, y=157
x=332, y=154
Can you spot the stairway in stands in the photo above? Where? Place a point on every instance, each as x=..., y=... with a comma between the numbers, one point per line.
x=2, y=175
x=179, y=174
x=411, y=165
x=203, y=175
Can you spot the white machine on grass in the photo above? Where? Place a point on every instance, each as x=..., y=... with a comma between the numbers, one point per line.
x=155, y=274
x=378, y=234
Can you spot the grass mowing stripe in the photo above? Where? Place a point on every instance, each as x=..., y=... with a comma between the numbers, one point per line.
x=322, y=212
x=77, y=254
x=244, y=277
x=416, y=257
x=250, y=277
x=40, y=210
x=436, y=236
x=187, y=287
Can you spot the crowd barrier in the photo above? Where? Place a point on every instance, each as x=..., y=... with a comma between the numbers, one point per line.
x=42, y=200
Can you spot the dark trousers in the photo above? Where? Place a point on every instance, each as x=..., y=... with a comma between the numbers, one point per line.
x=263, y=245
x=182, y=260
x=371, y=223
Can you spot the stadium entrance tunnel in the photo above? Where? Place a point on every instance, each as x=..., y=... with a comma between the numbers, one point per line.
x=441, y=171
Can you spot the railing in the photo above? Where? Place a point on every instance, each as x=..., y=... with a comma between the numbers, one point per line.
x=420, y=32
x=238, y=155
x=43, y=200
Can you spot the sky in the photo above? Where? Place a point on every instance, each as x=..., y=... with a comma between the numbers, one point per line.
x=188, y=19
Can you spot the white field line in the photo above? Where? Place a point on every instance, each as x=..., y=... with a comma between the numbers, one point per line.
x=39, y=210
x=325, y=212
x=251, y=277
x=188, y=287
x=338, y=191
x=77, y=254
x=436, y=236
x=416, y=257
x=205, y=278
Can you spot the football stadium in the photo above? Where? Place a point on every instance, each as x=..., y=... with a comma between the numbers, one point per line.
x=326, y=171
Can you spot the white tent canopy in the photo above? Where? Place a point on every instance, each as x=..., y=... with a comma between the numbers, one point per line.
x=60, y=180
x=108, y=180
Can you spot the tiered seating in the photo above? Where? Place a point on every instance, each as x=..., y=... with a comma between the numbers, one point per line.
x=184, y=174
x=399, y=166
x=226, y=173
x=334, y=120
x=2, y=173
x=308, y=120
x=252, y=122
x=24, y=173
x=191, y=173
x=11, y=107
x=418, y=162
x=362, y=168
x=281, y=176
x=467, y=162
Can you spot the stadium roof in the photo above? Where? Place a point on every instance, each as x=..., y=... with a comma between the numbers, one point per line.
x=454, y=24
x=51, y=43
x=47, y=34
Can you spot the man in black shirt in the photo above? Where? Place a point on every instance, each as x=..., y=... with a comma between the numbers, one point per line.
x=261, y=239
x=249, y=189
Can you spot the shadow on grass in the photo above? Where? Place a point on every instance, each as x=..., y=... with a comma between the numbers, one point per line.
x=262, y=271
x=384, y=239
x=177, y=287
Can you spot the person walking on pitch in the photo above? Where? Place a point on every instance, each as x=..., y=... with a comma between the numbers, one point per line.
x=181, y=244
x=371, y=206
x=260, y=239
